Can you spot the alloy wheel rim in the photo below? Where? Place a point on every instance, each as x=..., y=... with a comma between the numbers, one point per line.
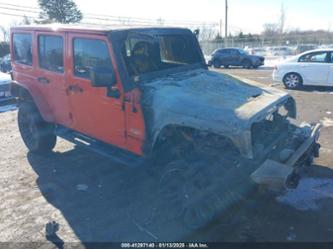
x=292, y=80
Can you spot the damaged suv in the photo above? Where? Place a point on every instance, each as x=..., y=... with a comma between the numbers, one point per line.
x=144, y=96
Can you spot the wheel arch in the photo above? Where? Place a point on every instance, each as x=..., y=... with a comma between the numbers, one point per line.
x=24, y=94
x=171, y=129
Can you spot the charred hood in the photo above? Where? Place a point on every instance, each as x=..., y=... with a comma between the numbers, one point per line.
x=208, y=101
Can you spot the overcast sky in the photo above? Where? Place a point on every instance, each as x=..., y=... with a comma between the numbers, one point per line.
x=245, y=15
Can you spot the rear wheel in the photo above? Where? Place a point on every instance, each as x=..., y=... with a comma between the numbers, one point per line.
x=292, y=80
x=37, y=134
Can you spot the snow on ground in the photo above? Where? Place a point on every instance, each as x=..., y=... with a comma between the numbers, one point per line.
x=4, y=78
x=308, y=193
x=327, y=122
x=273, y=61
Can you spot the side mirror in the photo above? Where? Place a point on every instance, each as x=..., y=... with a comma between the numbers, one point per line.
x=102, y=77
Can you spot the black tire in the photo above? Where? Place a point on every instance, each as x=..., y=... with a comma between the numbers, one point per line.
x=226, y=66
x=37, y=134
x=247, y=64
x=292, y=81
x=216, y=64
x=199, y=192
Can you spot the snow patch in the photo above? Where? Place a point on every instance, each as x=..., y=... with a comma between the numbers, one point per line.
x=4, y=78
x=327, y=122
x=308, y=192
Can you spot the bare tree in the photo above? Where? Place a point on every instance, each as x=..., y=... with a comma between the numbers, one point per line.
x=4, y=33
x=207, y=33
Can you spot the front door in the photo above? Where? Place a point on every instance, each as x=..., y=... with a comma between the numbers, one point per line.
x=314, y=68
x=51, y=75
x=94, y=113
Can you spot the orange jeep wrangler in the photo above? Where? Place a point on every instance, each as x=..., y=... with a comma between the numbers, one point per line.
x=146, y=96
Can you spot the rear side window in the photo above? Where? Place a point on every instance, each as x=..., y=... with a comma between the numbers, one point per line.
x=50, y=53
x=22, y=44
x=89, y=53
x=318, y=57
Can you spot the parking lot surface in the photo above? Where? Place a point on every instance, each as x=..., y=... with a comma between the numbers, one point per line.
x=93, y=199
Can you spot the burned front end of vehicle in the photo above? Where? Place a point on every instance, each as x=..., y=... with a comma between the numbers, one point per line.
x=283, y=146
x=202, y=115
x=211, y=137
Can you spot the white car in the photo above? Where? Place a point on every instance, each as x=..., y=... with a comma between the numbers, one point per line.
x=310, y=68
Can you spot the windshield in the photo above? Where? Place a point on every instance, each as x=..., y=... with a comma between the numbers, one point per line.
x=241, y=51
x=146, y=54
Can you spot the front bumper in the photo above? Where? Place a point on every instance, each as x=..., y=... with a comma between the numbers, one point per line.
x=5, y=94
x=276, y=76
x=5, y=91
x=278, y=174
x=258, y=62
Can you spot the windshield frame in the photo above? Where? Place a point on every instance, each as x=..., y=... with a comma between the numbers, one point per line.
x=117, y=38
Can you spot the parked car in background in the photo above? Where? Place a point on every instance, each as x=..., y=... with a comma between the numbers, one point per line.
x=5, y=81
x=257, y=51
x=5, y=65
x=235, y=57
x=279, y=51
x=301, y=48
x=310, y=68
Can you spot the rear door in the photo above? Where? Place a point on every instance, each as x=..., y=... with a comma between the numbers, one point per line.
x=314, y=68
x=235, y=57
x=224, y=55
x=50, y=75
x=94, y=112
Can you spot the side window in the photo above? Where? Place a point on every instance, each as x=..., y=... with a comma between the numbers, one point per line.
x=234, y=52
x=224, y=51
x=331, y=57
x=319, y=57
x=22, y=44
x=51, y=53
x=89, y=53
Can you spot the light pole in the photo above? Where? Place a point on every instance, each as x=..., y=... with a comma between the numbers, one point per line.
x=226, y=24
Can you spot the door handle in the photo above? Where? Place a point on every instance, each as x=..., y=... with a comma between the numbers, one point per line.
x=74, y=89
x=43, y=80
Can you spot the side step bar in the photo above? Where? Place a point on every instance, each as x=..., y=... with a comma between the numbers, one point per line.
x=115, y=154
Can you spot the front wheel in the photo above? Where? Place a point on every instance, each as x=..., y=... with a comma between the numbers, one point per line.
x=37, y=134
x=292, y=81
x=247, y=64
x=216, y=64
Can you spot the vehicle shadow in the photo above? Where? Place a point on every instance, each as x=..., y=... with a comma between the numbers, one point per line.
x=314, y=89
x=103, y=201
